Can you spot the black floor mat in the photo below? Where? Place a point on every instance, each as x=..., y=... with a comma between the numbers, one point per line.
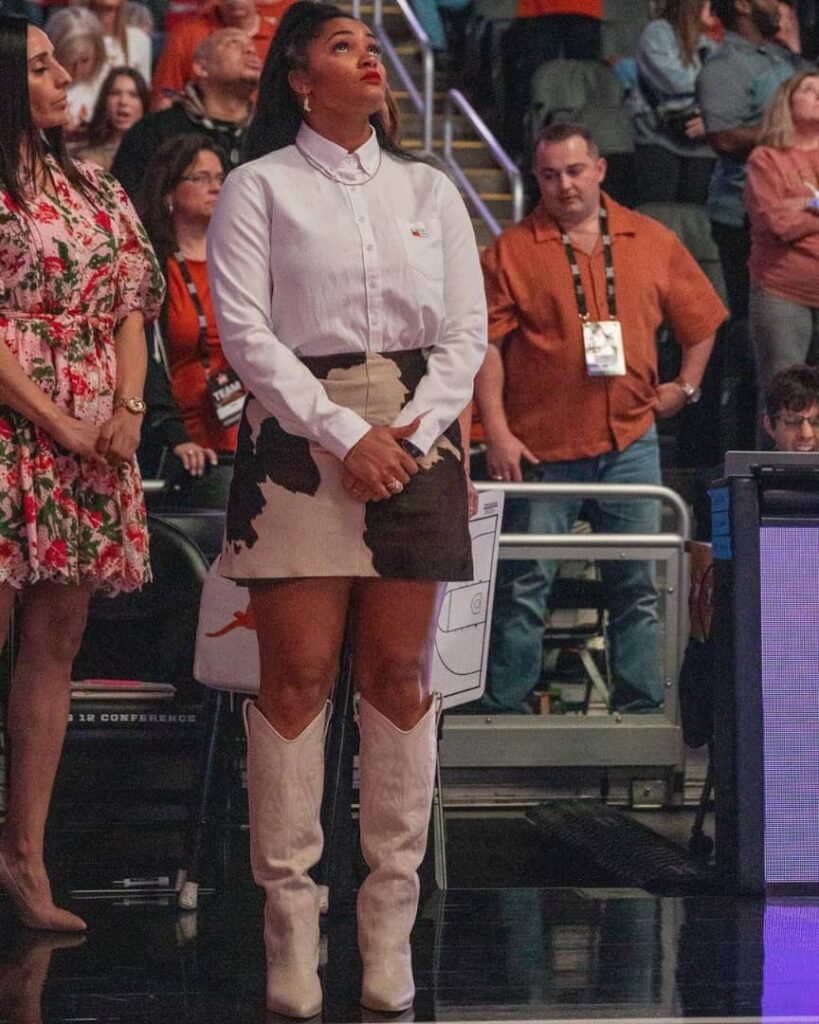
x=626, y=850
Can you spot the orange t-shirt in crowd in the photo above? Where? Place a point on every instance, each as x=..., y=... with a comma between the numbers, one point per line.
x=534, y=8
x=187, y=373
x=552, y=404
x=784, y=237
x=178, y=10
x=175, y=65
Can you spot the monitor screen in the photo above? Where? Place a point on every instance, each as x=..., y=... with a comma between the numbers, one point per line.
x=789, y=594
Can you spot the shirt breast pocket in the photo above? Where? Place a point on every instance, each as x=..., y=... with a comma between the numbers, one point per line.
x=423, y=246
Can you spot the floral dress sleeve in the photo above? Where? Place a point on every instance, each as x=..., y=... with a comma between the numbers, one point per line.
x=139, y=284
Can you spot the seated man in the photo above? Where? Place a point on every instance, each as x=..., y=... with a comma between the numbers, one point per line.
x=791, y=416
x=568, y=393
x=175, y=65
x=216, y=103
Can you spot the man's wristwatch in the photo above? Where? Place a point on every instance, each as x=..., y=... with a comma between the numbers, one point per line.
x=410, y=448
x=135, y=405
x=692, y=394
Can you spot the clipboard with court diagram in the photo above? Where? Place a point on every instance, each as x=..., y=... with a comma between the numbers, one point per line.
x=462, y=638
x=227, y=654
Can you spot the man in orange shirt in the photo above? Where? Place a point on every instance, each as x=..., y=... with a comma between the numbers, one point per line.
x=568, y=393
x=175, y=66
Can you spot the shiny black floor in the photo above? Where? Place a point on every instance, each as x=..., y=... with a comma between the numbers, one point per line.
x=480, y=954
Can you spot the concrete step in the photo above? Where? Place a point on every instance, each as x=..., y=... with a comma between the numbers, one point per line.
x=412, y=125
x=393, y=21
x=499, y=204
x=409, y=53
x=468, y=152
x=368, y=10
x=405, y=104
x=488, y=179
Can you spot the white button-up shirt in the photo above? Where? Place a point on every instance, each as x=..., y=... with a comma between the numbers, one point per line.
x=315, y=251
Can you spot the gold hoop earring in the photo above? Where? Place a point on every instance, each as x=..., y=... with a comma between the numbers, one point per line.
x=306, y=104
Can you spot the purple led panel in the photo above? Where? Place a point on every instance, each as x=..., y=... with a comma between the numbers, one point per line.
x=790, y=981
x=789, y=593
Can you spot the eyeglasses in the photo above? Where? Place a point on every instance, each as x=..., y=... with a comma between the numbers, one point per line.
x=795, y=422
x=204, y=178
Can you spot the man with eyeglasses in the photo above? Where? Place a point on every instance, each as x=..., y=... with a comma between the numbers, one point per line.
x=216, y=103
x=791, y=416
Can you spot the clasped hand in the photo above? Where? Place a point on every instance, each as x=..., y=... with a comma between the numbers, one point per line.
x=377, y=467
x=119, y=437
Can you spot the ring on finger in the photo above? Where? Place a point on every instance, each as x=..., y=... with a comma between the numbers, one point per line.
x=394, y=486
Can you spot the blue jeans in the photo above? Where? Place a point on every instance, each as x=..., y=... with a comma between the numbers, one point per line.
x=522, y=593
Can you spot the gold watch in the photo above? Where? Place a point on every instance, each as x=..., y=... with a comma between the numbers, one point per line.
x=135, y=405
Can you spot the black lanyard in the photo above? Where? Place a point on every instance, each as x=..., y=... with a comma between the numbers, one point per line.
x=611, y=298
x=204, y=354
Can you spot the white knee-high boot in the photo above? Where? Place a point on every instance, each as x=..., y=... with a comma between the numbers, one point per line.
x=285, y=781
x=397, y=777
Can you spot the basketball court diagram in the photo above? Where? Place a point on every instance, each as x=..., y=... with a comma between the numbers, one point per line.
x=462, y=638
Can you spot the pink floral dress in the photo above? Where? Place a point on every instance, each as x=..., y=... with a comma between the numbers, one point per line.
x=70, y=270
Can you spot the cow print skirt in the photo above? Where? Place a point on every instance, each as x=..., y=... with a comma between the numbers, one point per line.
x=289, y=516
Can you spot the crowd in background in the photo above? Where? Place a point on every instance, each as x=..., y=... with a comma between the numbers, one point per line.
x=699, y=79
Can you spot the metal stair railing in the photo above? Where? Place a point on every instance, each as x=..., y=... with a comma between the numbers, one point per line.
x=423, y=101
x=456, y=99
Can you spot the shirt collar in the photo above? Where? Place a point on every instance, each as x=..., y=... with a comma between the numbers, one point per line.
x=351, y=168
x=741, y=43
x=547, y=229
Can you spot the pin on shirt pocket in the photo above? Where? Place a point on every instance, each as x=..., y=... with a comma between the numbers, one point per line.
x=423, y=246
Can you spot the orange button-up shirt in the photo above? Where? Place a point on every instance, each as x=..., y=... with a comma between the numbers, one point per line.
x=552, y=405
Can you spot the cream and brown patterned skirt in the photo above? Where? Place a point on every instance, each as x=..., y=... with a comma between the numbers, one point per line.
x=289, y=516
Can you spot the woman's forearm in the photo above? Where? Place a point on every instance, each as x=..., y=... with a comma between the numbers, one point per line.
x=132, y=356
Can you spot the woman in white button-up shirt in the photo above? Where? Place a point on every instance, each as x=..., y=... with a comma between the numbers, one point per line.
x=350, y=301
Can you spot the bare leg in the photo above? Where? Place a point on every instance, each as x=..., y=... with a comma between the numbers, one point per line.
x=52, y=622
x=300, y=626
x=394, y=631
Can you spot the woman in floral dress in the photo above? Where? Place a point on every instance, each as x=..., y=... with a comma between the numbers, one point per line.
x=77, y=278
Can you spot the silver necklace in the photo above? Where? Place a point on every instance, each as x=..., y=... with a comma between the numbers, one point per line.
x=332, y=177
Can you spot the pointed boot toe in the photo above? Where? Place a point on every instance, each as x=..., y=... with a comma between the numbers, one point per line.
x=387, y=985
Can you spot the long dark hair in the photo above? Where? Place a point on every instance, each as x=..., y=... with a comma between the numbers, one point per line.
x=99, y=127
x=167, y=167
x=278, y=115
x=685, y=17
x=17, y=128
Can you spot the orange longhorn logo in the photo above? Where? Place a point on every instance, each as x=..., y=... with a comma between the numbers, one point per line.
x=241, y=620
